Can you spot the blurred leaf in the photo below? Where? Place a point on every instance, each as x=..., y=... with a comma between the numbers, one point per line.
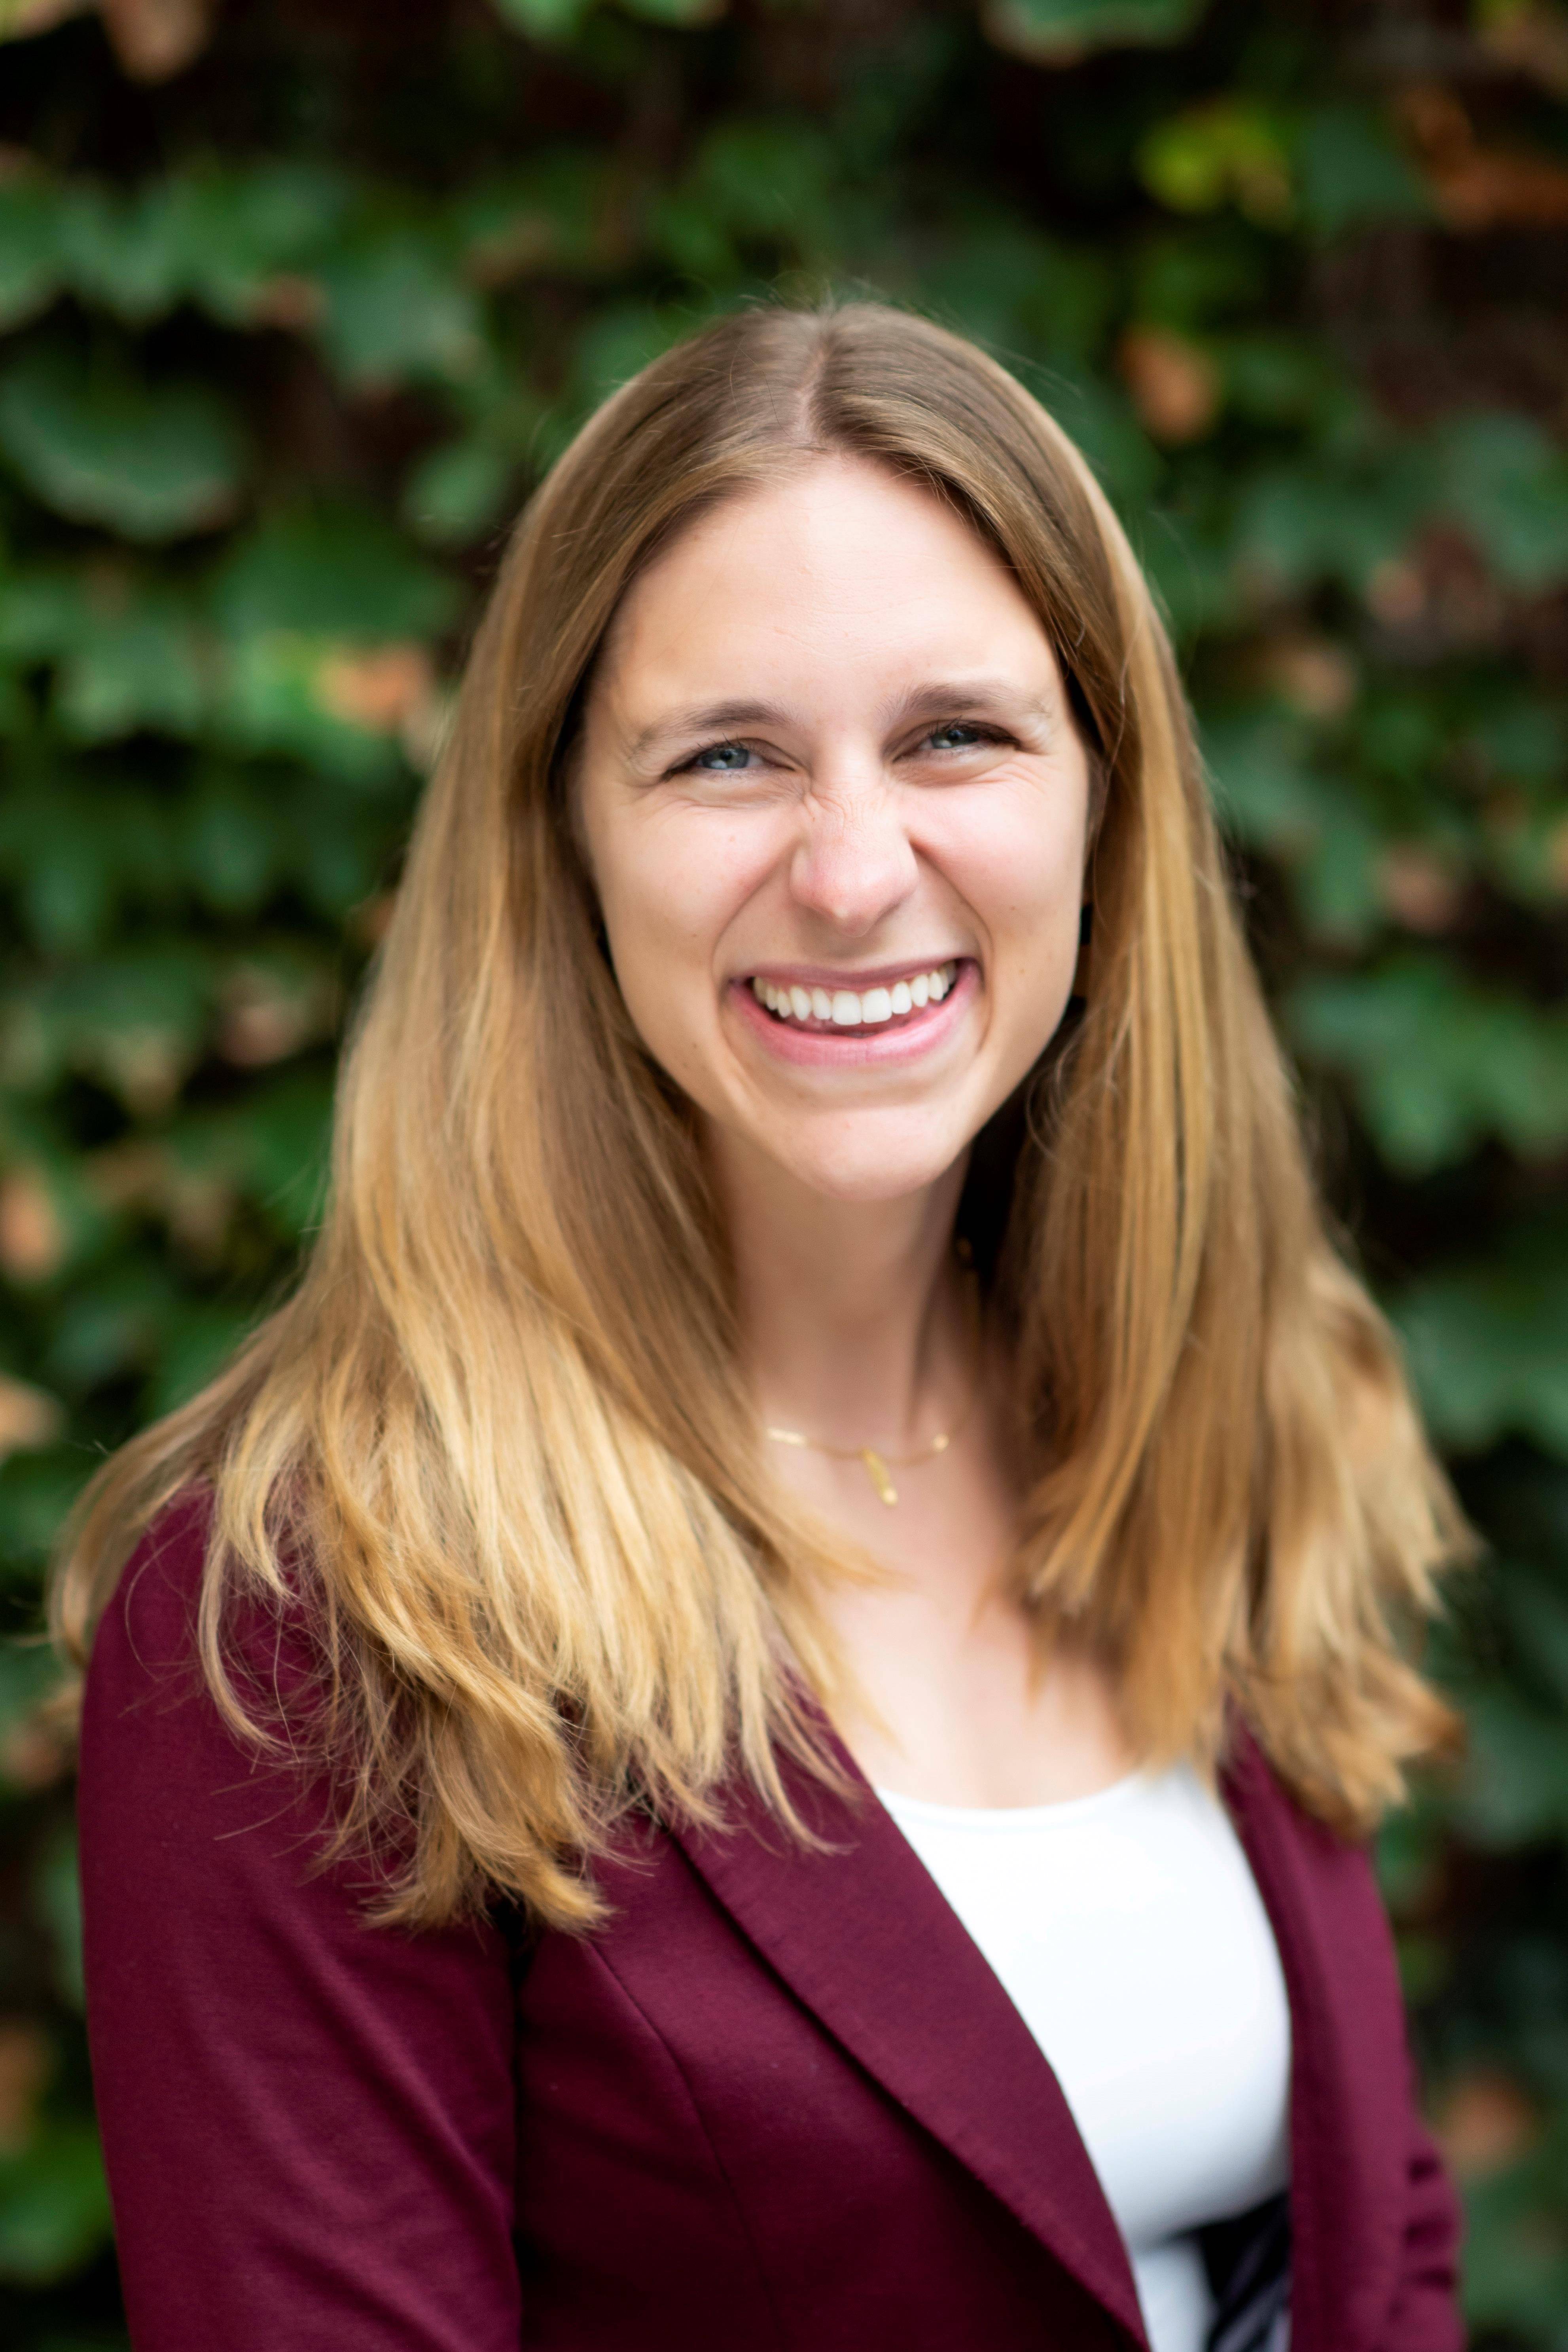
x=147, y=667
x=100, y=449
x=1516, y=1787
x=397, y=309
x=1230, y=150
x=1484, y=1343
x=1298, y=525
x=122, y=253
x=1437, y=1066
x=248, y=237
x=455, y=492
x=1508, y=484
x=553, y=213
x=54, y=2204
x=545, y=19
x=1057, y=32
x=29, y=246
x=330, y=571
x=1350, y=170
x=58, y=1898
x=677, y=12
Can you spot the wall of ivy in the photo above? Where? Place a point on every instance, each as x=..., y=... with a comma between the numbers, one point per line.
x=296, y=297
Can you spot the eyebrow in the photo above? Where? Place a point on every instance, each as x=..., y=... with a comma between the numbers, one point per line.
x=995, y=696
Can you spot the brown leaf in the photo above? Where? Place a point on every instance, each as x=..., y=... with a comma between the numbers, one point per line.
x=37, y=1752
x=1557, y=855
x=266, y=1018
x=1532, y=39
x=1485, y=2122
x=1476, y=187
x=27, y=2062
x=146, y=1068
x=1395, y=594
x=28, y=1417
x=154, y=39
x=381, y=690
x=32, y=1238
x=289, y=301
x=1314, y=675
x=1418, y=889
x=1174, y=386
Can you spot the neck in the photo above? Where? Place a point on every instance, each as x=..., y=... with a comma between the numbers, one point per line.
x=852, y=1326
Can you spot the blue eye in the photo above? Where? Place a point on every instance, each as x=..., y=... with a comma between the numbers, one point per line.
x=958, y=735
x=722, y=759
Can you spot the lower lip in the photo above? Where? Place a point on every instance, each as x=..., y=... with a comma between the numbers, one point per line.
x=850, y=1049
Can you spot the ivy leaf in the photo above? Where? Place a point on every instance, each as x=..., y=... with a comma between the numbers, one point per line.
x=1436, y=1063
x=1508, y=484
x=455, y=492
x=677, y=12
x=54, y=2204
x=330, y=571
x=1059, y=32
x=250, y=239
x=147, y=667
x=396, y=308
x=29, y=248
x=100, y=447
x=1349, y=171
x=1230, y=150
x=1485, y=1345
x=122, y=253
x=544, y=20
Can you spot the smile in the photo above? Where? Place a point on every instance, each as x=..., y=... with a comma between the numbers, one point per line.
x=862, y=1011
x=894, y=1019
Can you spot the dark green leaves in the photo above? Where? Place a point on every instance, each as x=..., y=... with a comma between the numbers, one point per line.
x=1060, y=31
x=100, y=446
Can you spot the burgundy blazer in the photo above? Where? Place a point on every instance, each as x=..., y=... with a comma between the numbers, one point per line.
x=779, y=2100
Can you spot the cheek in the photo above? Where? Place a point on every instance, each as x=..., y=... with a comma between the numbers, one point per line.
x=670, y=882
x=1018, y=861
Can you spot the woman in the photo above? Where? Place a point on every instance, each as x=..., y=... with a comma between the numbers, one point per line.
x=747, y=1721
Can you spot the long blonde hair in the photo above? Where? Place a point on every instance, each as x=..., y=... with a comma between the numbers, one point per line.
x=496, y=1449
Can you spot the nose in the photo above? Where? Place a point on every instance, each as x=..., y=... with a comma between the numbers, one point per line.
x=854, y=863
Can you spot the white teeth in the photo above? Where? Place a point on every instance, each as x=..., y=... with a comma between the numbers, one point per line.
x=846, y=1010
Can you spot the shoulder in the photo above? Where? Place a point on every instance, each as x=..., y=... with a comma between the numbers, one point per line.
x=147, y=1644
x=149, y=1624
x=156, y=1746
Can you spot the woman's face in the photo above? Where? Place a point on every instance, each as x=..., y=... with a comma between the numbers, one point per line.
x=835, y=807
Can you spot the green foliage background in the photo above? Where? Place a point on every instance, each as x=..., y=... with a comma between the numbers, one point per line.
x=295, y=307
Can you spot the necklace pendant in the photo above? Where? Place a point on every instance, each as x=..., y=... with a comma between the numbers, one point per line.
x=877, y=1471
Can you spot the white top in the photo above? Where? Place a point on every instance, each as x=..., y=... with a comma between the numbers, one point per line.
x=1128, y=1933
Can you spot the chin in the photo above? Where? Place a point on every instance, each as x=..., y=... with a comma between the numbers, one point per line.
x=861, y=1162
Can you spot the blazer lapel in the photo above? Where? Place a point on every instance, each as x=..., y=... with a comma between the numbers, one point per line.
x=1349, y=2091
x=862, y=1935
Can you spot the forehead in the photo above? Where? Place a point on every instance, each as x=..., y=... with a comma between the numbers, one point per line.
x=839, y=565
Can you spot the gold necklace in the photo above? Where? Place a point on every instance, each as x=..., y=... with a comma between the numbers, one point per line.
x=876, y=1464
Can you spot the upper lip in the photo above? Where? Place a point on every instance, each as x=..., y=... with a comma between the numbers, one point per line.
x=821, y=976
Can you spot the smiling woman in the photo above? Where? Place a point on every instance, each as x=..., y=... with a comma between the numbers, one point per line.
x=630, y=1869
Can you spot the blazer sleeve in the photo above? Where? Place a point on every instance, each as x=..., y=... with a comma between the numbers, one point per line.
x=308, y=2123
